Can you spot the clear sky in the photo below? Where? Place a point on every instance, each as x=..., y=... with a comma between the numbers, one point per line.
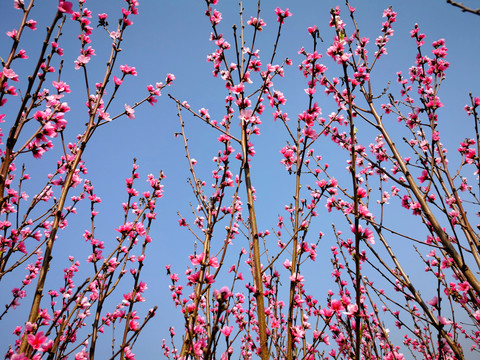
x=172, y=37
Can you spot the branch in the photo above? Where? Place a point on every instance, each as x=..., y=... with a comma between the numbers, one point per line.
x=463, y=7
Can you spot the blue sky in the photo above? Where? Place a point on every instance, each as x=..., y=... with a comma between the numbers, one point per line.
x=172, y=37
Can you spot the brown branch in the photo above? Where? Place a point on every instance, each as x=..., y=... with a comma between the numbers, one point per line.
x=463, y=7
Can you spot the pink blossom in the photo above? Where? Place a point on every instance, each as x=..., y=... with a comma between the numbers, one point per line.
x=369, y=236
x=128, y=70
x=12, y=33
x=215, y=17
x=46, y=346
x=214, y=262
x=361, y=192
x=463, y=286
x=365, y=233
x=336, y=305
x=61, y=86
x=257, y=23
x=433, y=302
x=83, y=355
x=57, y=49
x=423, y=177
x=247, y=116
x=130, y=112
x=22, y=54
x=65, y=7
x=227, y=330
x=117, y=81
x=351, y=309
x=170, y=78
x=18, y=4
x=115, y=34
x=296, y=278
x=129, y=355
x=209, y=278
x=32, y=24
x=82, y=60
x=133, y=325
x=310, y=91
x=36, y=340
x=282, y=14
x=10, y=74
x=443, y=320
x=19, y=357
x=197, y=259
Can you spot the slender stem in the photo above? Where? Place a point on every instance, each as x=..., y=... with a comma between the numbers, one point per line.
x=20, y=120
x=257, y=268
x=446, y=242
x=49, y=247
